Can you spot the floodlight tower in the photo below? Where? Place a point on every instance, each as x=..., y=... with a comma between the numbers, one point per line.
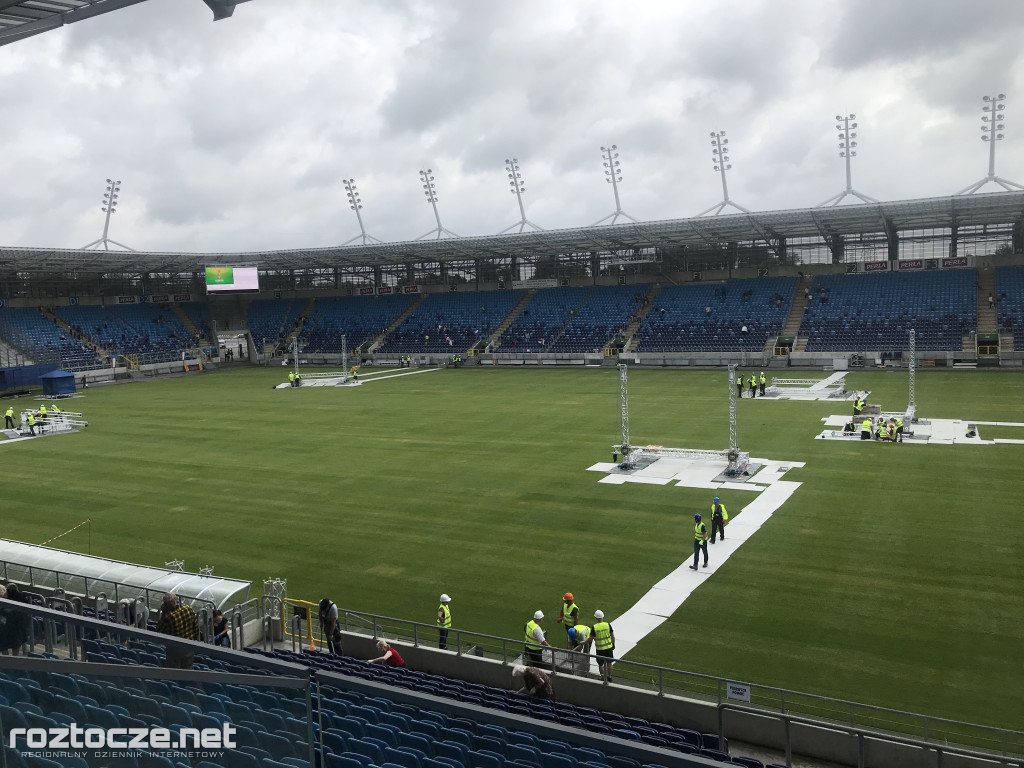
x=109, y=207
x=613, y=175
x=356, y=204
x=430, y=191
x=518, y=187
x=720, y=152
x=845, y=125
x=991, y=125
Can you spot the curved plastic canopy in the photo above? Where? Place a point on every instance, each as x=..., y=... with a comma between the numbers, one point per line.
x=57, y=567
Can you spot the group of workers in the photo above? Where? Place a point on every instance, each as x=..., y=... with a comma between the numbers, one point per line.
x=294, y=379
x=754, y=383
x=578, y=636
x=33, y=418
x=890, y=430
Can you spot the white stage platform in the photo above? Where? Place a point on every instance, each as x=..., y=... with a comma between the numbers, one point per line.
x=925, y=432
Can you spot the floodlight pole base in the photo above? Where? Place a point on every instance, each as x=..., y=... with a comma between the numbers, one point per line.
x=1009, y=186
x=440, y=232
x=719, y=207
x=615, y=217
x=836, y=199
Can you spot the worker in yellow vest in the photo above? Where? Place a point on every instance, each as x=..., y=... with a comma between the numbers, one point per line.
x=739, y=384
x=31, y=423
x=570, y=615
x=604, y=642
x=762, y=380
x=700, y=541
x=444, y=622
x=581, y=637
x=858, y=405
x=9, y=418
x=865, y=429
x=291, y=378
x=899, y=428
x=752, y=384
x=533, y=654
x=718, y=517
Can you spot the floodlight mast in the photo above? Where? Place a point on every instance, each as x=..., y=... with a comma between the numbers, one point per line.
x=991, y=125
x=430, y=192
x=720, y=158
x=847, y=144
x=613, y=175
x=356, y=204
x=518, y=187
x=109, y=206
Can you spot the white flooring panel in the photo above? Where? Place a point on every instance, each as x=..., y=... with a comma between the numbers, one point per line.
x=673, y=589
x=930, y=432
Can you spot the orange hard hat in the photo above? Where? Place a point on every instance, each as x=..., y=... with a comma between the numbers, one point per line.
x=568, y=597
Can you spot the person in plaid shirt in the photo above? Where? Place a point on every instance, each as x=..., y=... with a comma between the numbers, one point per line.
x=178, y=620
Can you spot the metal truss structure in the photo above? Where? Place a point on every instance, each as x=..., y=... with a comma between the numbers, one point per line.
x=736, y=460
x=912, y=370
x=20, y=19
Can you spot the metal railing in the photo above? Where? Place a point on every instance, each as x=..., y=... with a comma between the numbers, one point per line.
x=863, y=735
x=665, y=681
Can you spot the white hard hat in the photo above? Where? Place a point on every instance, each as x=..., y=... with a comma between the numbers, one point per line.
x=598, y=614
x=538, y=615
x=445, y=599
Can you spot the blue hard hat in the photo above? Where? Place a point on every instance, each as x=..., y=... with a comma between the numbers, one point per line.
x=717, y=499
x=572, y=633
x=697, y=517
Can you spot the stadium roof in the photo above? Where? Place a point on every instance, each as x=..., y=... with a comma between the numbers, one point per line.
x=23, y=18
x=997, y=208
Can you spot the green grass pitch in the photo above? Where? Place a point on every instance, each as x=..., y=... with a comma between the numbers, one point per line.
x=894, y=576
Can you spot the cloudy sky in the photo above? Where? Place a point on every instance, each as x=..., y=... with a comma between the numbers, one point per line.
x=236, y=135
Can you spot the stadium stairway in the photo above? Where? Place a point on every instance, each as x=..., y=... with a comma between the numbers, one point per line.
x=631, y=329
x=796, y=312
x=568, y=322
x=48, y=313
x=401, y=319
x=296, y=329
x=189, y=325
x=11, y=355
x=987, y=322
x=495, y=340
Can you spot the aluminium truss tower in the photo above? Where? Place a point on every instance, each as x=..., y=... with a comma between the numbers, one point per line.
x=734, y=448
x=911, y=404
x=624, y=412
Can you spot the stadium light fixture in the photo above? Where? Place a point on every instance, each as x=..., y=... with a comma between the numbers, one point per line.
x=355, y=203
x=515, y=181
x=109, y=206
x=720, y=159
x=613, y=175
x=847, y=149
x=430, y=192
x=991, y=126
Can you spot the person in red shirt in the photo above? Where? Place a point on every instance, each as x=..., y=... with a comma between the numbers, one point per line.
x=391, y=657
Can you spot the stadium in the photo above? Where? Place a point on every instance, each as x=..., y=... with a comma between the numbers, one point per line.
x=521, y=423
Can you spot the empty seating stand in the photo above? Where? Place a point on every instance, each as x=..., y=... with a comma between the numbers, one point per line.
x=1009, y=300
x=450, y=323
x=359, y=318
x=603, y=316
x=712, y=317
x=877, y=312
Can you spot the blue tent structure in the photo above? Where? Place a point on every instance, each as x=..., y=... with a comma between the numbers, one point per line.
x=58, y=383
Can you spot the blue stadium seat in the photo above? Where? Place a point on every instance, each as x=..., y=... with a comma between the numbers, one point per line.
x=402, y=758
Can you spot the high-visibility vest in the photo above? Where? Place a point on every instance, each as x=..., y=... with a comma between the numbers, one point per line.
x=291, y=376
x=531, y=641
x=866, y=426
x=751, y=381
x=725, y=515
x=700, y=531
x=10, y=413
x=55, y=409
x=859, y=405
x=764, y=380
x=582, y=633
x=447, y=620
x=567, y=610
x=899, y=422
x=42, y=410
x=31, y=420
x=603, y=636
